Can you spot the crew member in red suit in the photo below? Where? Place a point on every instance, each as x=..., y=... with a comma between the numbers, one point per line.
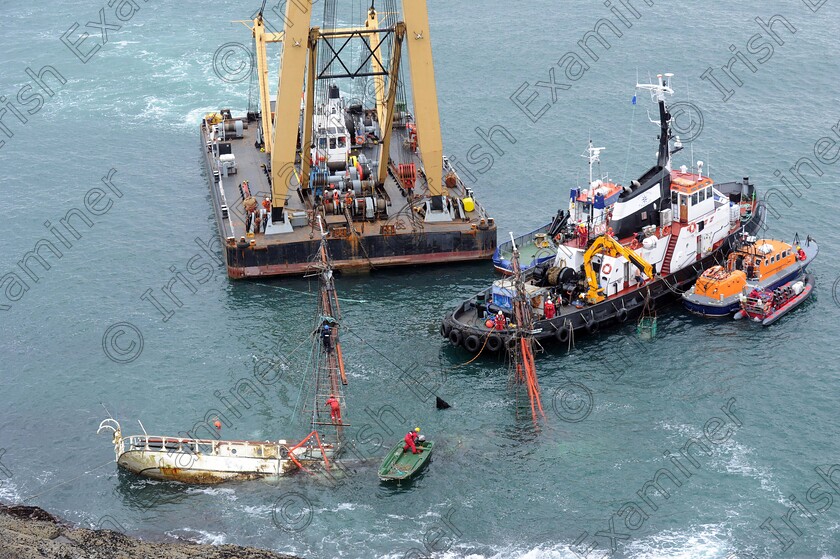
x=549, y=309
x=499, y=321
x=335, y=409
x=410, y=439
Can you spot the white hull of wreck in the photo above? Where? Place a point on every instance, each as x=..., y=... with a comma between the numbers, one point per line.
x=191, y=468
x=203, y=461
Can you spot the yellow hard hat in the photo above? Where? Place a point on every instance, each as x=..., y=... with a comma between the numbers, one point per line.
x=417, y=429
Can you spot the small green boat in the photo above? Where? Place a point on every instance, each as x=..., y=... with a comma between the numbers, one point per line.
x=400, y=466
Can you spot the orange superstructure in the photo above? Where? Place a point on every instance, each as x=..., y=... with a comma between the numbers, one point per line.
x=717, y=281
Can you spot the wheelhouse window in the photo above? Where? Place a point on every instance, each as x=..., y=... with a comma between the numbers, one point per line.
x=702, y=195
x=694, y=199
x=674, y=198
x=342, y=142
x=332, y=143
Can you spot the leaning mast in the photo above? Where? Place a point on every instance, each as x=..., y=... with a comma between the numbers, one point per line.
x=523, y=368
x=330, y=375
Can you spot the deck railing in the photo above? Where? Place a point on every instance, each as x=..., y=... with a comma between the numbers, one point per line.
x=215, y=171
x=205, y=447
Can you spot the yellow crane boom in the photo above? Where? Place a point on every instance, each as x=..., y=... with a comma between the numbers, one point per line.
x=606, y=243
x=298, y=73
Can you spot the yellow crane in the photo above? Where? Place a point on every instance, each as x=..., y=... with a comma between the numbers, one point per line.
x=298, y=73
x=610, y=246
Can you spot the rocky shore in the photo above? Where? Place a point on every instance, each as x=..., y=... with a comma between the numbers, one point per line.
x=32, y=533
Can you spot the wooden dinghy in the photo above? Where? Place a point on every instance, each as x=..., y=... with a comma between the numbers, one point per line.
x=401, y=466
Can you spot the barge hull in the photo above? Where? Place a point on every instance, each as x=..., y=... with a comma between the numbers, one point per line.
x=370, y=252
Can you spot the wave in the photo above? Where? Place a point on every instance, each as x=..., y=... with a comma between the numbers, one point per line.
x=203, y=537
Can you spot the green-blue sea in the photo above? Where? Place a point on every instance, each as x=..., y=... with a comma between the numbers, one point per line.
x=716, y=439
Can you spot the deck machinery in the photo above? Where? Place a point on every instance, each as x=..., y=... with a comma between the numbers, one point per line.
x=371, y=165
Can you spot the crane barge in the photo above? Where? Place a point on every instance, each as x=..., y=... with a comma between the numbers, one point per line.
x=371, y=166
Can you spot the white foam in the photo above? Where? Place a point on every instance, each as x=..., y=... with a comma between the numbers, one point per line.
x=203, y=536
x=257, y=510
x=225, y=492
x=542, y=551
x=9, y=492
x=740, y=463
x=350, y=506
x=704, y=541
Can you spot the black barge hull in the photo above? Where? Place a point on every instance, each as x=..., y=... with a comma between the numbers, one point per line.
x=360, y=254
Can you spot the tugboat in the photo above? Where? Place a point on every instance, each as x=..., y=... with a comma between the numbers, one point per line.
x=663, y=230
x=371, y=167
x=758, y=264
x=588, y=211
x=769, y=305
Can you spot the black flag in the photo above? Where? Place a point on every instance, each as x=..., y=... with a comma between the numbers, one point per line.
x=441, y=404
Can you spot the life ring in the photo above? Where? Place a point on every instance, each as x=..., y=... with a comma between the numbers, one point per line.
x=455, y=336
x=692, y=227
x=606, y=268
x=494, y=343
x=621, y=315
x=444, y=329
x=564, y=333
x=591, y=325
x=472, y=343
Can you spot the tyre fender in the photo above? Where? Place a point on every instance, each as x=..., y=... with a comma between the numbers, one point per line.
x=494, y=343
x=563, y=333
x=472, y=343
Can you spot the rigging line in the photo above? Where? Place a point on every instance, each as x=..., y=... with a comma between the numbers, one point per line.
x=304, y=378
x=629, y=143
x=486, y=337
x=309, y=293
x=66, y=482
x=812, y=184
x=294, y=350
x=374, y=349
